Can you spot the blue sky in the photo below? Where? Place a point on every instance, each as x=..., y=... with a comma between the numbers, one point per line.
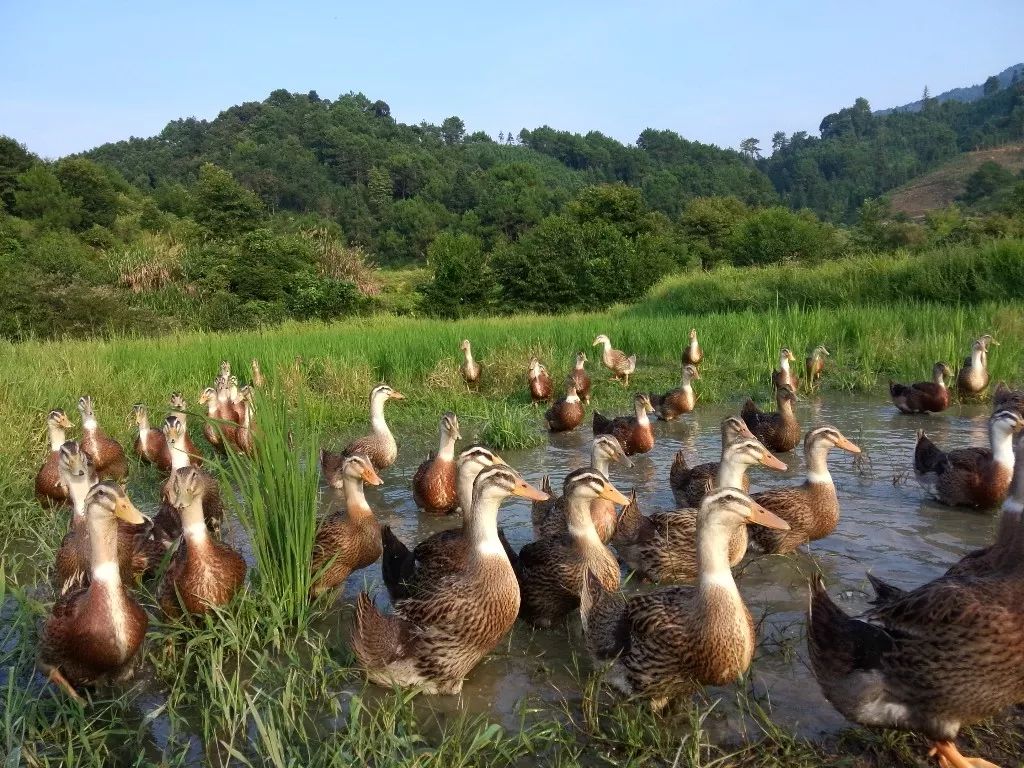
x=78, y=74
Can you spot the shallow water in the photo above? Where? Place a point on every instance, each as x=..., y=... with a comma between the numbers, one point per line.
x=887, y=526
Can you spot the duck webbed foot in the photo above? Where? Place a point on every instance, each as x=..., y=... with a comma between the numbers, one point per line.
x=949, y=757
x=56, y=677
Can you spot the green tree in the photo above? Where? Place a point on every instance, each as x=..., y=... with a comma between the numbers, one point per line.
x=462, y=282
x=991, y=85
x=224, y=206
x=779, y=141
x=15, y=159
x=751, y=148
x=778, y=235
x=380, y=188
x=39, y=195
x=986, y=181
x=708, y=224
x=83, y=179
x=453, y=130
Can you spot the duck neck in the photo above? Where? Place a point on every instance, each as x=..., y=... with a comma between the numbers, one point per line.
x=685, y=383
x=580, y=364
x=784, y=405
x=938, y=378
x=446, y=446
x=693, y=346
x=211, y=407
x=464, y=486
x=89, y=422
x=817, y=463
x=179, y=456
x=143, y=426
x=78, y=489
x=572, y=397
x=467, y=354
x=193, y=523
x=784, y=364
x=103, y=552
x=731, y=472
x=580, y=523
x=1002, y=445
x=713, y=566
x=355, y=498
x=57, y=436
x=978, y=358
x=377, y=416
x=481, y=526
x=598, y=461
x=641, y=415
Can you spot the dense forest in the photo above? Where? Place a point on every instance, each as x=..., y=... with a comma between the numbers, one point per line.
x=280, y=209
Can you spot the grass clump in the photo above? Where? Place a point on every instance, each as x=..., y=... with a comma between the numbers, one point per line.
x=510, y=427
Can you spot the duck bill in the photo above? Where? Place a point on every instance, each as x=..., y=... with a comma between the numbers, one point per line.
x=847, y=445
x=527, y=491
x=65, y=422
x=770, y=461
x=396, y=395
x=370, y=477
x=610, y=493
x=624, y=459
x=128, y=512
x=766, y=517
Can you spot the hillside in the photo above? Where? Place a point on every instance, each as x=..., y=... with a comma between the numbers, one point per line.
x=941, y=187
x=965, y=94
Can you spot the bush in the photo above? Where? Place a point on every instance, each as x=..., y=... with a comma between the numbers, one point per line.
x=462, y=282
x=778, y=236
x=314, y=296
x=708, y=224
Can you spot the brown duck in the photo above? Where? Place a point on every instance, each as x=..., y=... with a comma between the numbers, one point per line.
x=106, y=453
x=973, y=376
x=469, y=368
x=692, y=353
x=634, y=433
x=539, y=381
x=445, y=552
x=923, y=396
x=1006, y=399
x=689, y=484
x=94, y=632
x=179, y=409
x=615, y=360
x=664, y=644
x=780, y=431
x=783, y=376
x=566, y=413
x=204, y=572
x=814, y=366
x=258, y=379
x=150, y=445
x=379, y=446
x=553, y=571
x=680, y=400
x=349, y=540
x=212, y=429
x=433, y=640
x=167, y=526
x=49, y=491
x=811, y=509
x=580, y=377
x=549, y=517
x=433, y=486
x=662, y=547
x=970, y=477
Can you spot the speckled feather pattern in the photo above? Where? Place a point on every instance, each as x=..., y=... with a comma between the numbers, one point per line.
x=811, y=509
x=552, y=573
x=434, y=487
x=691, y=484
x=200, y=575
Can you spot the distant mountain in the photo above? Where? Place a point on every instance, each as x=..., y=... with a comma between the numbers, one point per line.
x=966, y=95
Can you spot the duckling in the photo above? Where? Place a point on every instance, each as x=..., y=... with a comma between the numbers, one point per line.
x=211, y=427
x=257, y=375
x=445, y=552
x=970, y=477
x=470, y=368
x=179, y=409
x=150, y=445
x=784, y=376
x=780, y=431
x=49, y=491
x=633, y=432
x=615, y=361
x=433, y=485
x=203, y=572
x=379, y=446
x=106, y=453
x=167, y=527
x=689, y=484
x=540, y=382
x=566, y=413
x=580, y=377
x=662, y=547
x=1006, y=399
x=434, y=640
x=692, y=353
x=549, y=517
x=681, y=399
x=553, y=570
x=94, y=632
x=973, y=377
x=663, y=644
x=811, y=509
x=814, y=365
x=923, y=396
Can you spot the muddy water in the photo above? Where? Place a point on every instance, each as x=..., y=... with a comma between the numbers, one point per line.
x=887, y=526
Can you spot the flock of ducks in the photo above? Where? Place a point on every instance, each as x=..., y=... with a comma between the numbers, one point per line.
x=950, y=652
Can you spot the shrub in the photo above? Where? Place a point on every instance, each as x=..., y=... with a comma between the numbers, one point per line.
x=315, y=296
x=778, y=235
x=462, y=282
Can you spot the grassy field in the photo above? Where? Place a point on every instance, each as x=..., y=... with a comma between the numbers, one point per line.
x=246, y=689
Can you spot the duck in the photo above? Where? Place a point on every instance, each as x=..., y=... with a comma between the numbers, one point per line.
x=1006, y=399
x=243, y=435
x=106, y=453
x=665, y=643
x=783, y=376
x=549, y=517
x=150, y=445
x=814, y=365
x=211, y=427
x=379, y=446
x=258, y=380
x=679, y=400
x=973, y=377
x=179, y=409
x=552, y=571
x=49, y=491
x=923, y=396
x=566, y=413
x=134, y=541
x=970, y=477
x=444, y=552
x=203, y=572
x=580, y=377
x=692, y=353
x=929, y=660
x=812, y=508
x=94, y=631
x=780, y=431
x=433, y=486
x=470, y=368
x=167, y=526
x=540, y=382
x=615, y=360
x=634, y=433
x=434, y=639
x=689, y=484
x=662, y=547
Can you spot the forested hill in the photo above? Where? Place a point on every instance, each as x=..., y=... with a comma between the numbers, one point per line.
x=393, y=187
x=1004, y=79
